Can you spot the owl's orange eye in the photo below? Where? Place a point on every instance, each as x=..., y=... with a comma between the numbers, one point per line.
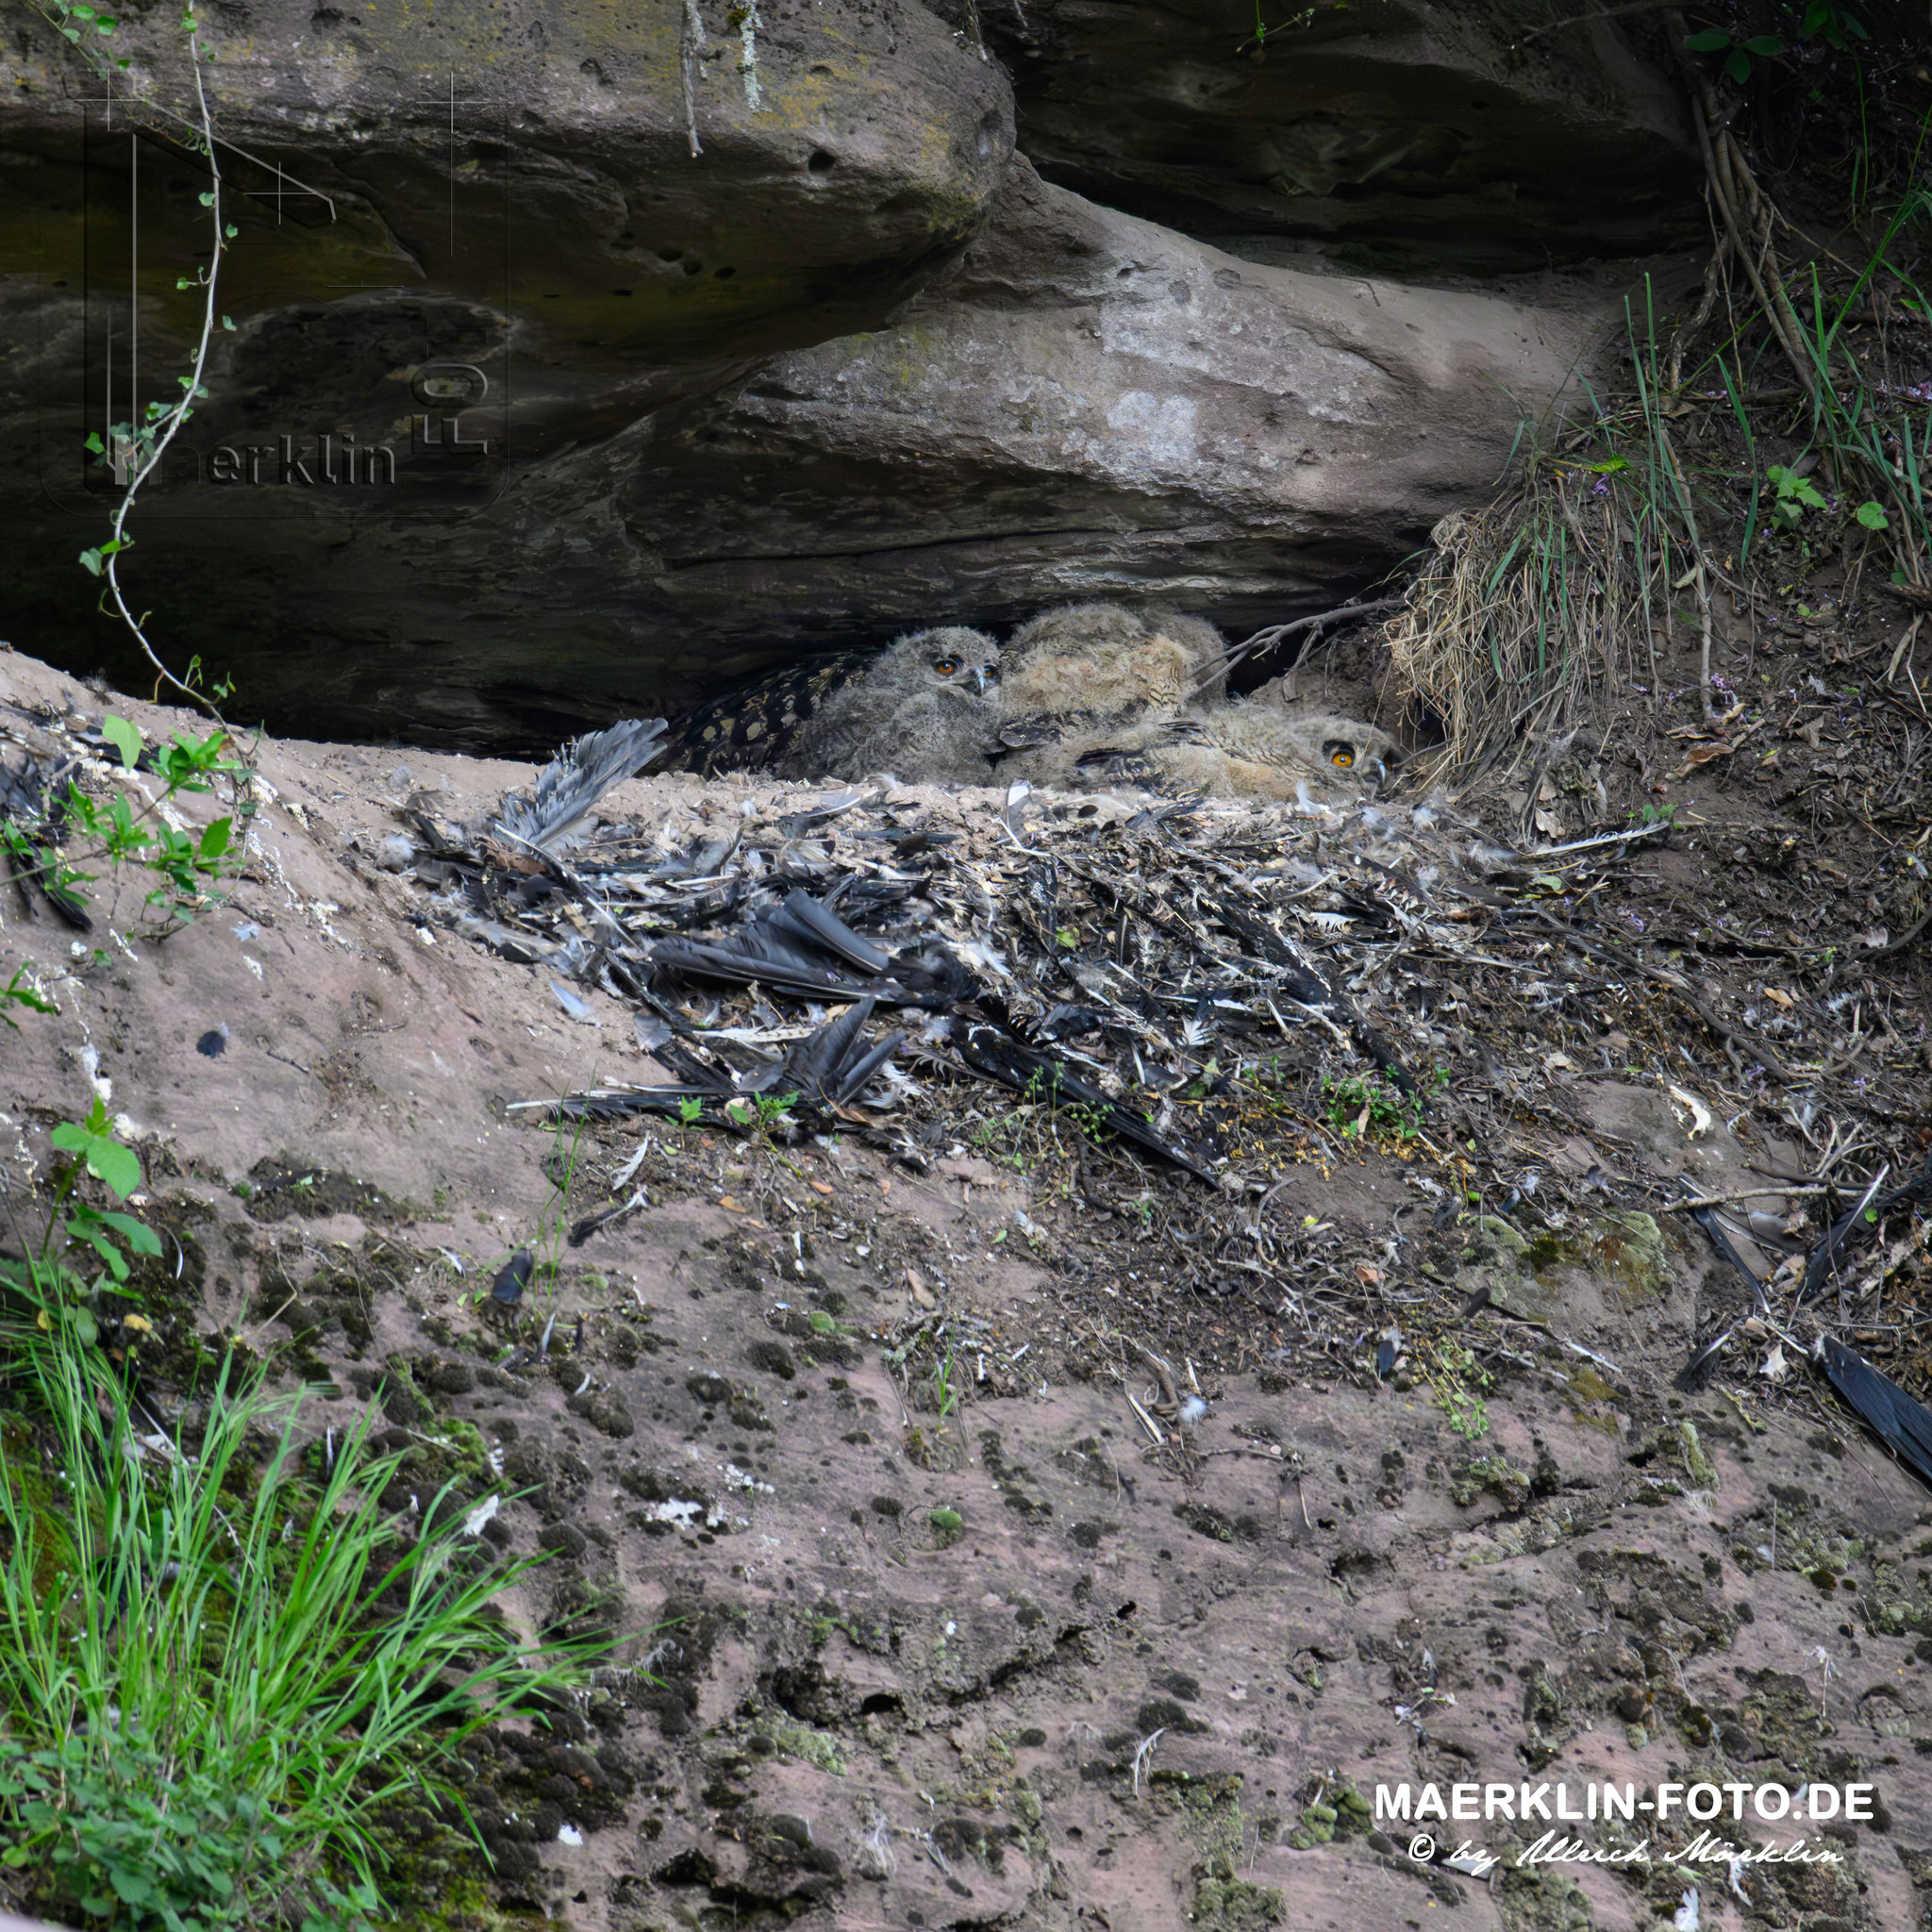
x=1339, y=752
x=945, y=666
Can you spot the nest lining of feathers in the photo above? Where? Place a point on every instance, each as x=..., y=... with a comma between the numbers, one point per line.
x=1161, y=1014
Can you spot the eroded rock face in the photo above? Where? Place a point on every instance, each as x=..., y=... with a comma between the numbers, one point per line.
x=491, y=215
x=1092, y=405
x=1409, y=137
x=536, y=164
x=530, y=417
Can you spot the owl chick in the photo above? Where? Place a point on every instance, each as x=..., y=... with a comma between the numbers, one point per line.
x=759, y=726
x=1087, y=666
x=751, y=729
x=926, y=708
x=1228, y=751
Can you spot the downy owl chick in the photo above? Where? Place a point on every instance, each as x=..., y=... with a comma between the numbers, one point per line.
x=1084, y=666
x=1230, y=751
x=926, y=708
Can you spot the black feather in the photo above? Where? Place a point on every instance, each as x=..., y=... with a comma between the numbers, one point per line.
x=818, y=924
x=820, y=1074
x=1856, y=1227
x=1703, y=1363
x=507, y=1290
x=1713, y=1231
x=826, y=1070
x=1902, y=1424
x=995, y=1053
x=803, y=951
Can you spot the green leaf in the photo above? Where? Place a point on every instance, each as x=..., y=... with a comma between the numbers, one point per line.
x=1713, y=40
x=117, y=1262
x=106, y=1159
x=116, y=1167
x=15, y=993
x=206, y=198
x=137, y=1233
x=1872, y=517
x=94, y=443
x=1764, y=45
x=228, y=324
x=1738, y=66
x=125, y=738
x=91, y=560
x=1611, y=466
x=134, y=1888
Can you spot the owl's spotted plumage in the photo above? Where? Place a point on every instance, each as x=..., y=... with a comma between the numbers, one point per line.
x=748, y=729
x=897, y=708
x=1092, y=666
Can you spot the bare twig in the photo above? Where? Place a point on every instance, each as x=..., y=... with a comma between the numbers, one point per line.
x=691, y=44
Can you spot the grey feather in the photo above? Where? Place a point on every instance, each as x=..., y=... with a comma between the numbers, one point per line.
x=557, y=809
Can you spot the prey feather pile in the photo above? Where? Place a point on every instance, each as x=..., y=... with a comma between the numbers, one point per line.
x=1140, y=962
x=1200, y=998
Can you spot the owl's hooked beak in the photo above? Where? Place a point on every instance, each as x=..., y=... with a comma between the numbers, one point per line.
x=981, y=673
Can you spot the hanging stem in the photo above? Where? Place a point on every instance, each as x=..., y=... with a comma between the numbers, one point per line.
x=169, y=425
x=691, y=44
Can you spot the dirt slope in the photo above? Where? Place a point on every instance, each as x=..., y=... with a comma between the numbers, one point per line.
x=925, y=1636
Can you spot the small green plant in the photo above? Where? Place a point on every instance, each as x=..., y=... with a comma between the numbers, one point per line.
x=1792, y=496
x=186, y=863
x=60, y=1300
x=758, y=1113
x=1457, y=1383
x=691, y=1110
x=553, y=1218
x=946, y=1525
x=216, y=1674
x=131, y=1834
x=96, y=1151
x=1738, y=54
x=944, y=1396
x=1827, y=20
x=135, y=449
x=20, y=991
x=1365, y=1106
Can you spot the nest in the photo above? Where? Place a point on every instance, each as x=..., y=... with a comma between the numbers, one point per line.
x=1165, y=1015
